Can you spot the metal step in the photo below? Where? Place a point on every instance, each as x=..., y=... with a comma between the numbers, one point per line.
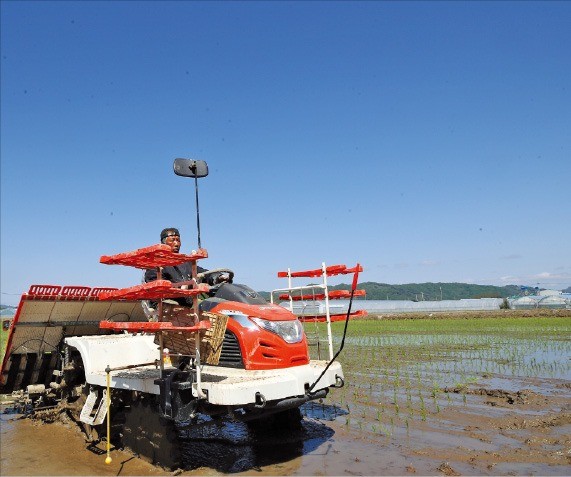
x=87, y=410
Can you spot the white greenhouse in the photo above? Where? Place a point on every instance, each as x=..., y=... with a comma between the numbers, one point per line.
x=552, y=301
x=524, y=303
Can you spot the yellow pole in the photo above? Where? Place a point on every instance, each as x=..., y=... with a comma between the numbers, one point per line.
x=108, y=458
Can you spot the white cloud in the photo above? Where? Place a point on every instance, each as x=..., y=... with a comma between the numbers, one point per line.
x=429, y=263
x=541, y=279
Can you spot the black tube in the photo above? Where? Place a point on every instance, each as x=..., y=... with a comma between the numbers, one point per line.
x=298, y=401
x=342, y=341
x=288, y=403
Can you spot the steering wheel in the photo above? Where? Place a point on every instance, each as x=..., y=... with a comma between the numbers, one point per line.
x=216, y=276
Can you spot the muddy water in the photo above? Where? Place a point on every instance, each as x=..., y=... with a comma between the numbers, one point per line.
x=58, y=449
x=492, y=433
x=29, y=448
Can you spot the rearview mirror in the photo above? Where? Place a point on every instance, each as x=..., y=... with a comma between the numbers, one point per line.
x=190, y=168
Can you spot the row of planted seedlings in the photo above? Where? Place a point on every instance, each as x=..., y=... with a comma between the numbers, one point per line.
x=401, y=373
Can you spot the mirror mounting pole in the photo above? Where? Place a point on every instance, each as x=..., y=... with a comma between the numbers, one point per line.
x=197, y=210
x=191, y=168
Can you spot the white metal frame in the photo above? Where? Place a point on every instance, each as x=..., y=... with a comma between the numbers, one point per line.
x=125, y=353
x=321, y=286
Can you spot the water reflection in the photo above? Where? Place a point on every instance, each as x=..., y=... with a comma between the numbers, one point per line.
x=321, y=411
x=229, y=446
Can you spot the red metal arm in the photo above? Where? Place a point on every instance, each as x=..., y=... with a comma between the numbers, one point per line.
x=154, y=290
x=159, y=255
x=334, y=294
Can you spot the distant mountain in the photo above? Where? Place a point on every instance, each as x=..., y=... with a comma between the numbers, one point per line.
x=432, y=291
x=6, y=310
x=567, y=290
x=408, y=291
x=428, y=291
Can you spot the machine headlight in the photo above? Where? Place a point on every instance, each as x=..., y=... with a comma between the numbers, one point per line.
x=290, y=331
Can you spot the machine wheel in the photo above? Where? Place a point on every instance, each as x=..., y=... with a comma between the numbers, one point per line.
x=150, y=436
x=290, y=419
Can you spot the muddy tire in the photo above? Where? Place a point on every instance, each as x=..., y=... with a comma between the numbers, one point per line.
x=150, y=436
x=290, y=419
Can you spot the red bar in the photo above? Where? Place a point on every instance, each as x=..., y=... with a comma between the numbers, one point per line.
x=75, y=291
x=155, y=290
x=98, y=290
x=331, y=271
x=358, y=268
x=51, y=290
x=159, y=255
x=334, y=294
x=339, y=317
x=152, y=326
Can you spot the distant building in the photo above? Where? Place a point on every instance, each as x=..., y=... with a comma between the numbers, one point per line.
x=549, y=293
x=309, y=308
x=552, y=301
x=555, y=300
x=524, y=302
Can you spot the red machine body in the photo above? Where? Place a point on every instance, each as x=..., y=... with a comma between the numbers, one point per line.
x=263, y=349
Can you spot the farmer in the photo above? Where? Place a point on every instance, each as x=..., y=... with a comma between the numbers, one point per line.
x=179, y=311
x=182, y=272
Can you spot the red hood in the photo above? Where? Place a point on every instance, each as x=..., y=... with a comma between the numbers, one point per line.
x=269, y=311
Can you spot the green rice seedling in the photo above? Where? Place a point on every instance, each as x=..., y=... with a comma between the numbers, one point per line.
x=409, y=399
x=421, y=357
x=422, y=406
x=395, y=400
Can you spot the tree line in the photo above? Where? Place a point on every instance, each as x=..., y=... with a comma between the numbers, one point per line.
x=428, y=291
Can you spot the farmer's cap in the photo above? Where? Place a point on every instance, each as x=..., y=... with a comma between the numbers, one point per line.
x=170, y=232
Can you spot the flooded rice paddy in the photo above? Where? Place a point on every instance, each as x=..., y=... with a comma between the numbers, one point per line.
x=465, y=394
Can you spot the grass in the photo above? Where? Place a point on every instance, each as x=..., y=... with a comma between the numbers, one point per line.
x=3, y=341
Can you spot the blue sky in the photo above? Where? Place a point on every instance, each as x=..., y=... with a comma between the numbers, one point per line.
x=428, y=141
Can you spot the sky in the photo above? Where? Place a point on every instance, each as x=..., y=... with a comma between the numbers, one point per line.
x=427, y=141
